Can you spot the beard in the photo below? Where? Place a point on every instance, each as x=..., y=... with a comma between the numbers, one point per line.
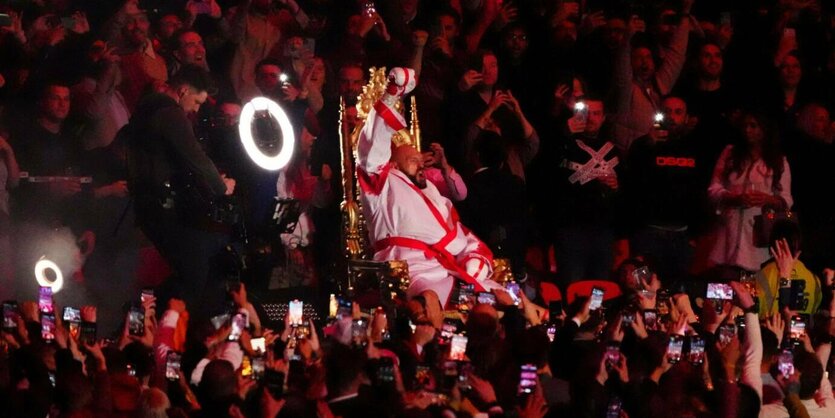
x=418, y=179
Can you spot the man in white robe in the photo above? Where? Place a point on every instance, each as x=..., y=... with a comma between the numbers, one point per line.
x=407, y=218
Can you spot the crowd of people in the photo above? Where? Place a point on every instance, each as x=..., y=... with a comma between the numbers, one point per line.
x=676, y=152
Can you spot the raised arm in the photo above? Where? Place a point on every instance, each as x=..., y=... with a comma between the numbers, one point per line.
x=374, y=148
x=674, y=58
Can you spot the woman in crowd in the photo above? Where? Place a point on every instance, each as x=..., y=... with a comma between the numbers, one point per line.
x=297, y=182
x=751, y=175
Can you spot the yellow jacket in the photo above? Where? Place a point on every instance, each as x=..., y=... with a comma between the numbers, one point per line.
x=768, y=287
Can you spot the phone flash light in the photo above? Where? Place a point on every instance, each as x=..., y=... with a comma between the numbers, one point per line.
x=40, y=274
x=579, y=106
x=659, y=117
x=283, y=78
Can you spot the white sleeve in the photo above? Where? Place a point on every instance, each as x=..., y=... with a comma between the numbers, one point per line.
x=752, y=350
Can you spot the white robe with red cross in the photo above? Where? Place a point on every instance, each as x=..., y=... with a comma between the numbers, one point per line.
x=419, y=226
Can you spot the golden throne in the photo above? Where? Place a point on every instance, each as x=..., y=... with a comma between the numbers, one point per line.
x=393, y=275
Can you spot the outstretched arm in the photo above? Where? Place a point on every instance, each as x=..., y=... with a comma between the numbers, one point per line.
x=374, y=148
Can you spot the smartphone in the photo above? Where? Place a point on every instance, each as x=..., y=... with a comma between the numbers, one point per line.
x=650, y=319
x=296, y=311
x=346, y=307
x=239, y=323
x=172, y=365
x=739, y=321
x=464, y=371
x=486, y=298
x=302, y=331
x=136, y=321
x=259, y=367
x=675, y=348
x=146, y=295
x=527, y=379
x=458, y=347
x=423, y=377
x=88, y=332
x=515, y=292
x=48, y=327
x=274, y=382
x=612, y=354
x=641, y=275
x=628, y=319
x=614, y=407
x=246, y=366
x=696, y=356
x=719, y=291
x=359, y=332
x=369, y=8
x=551, y=331
x=449, y=328
x=71, y=314
x=596, y=298
x=220, y=320
x=797, y=328
x=259, y=345
x=725, y=18
x=581, y=111
x=5, y=20
x=333, y=306
x=466, y=297
x=727, y=332
x=785, y=363
x=798, y=301
x=385, y=370
x=10, y=314
x=45, y=300
x=554, y=309
x=662, y=303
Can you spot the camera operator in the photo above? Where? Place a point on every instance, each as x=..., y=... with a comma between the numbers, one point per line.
x=169, y=175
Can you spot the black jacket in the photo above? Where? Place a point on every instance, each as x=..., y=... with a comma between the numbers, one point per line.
x=163, y=148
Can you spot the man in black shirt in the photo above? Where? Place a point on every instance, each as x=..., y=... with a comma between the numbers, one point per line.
x=582, y=202
x=666, y=190
x=166, y=165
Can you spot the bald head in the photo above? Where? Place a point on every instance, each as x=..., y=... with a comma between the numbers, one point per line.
x=408, y=160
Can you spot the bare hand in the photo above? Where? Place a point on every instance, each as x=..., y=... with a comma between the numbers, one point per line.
x=482, y=389
x=783, y=257
x=442, y=44
x=499, y=99
x=419, y=38
x=327, y=173
x=584, y=313
x=576, y=124
x=239, y=295
x=610, y=181
x=777, y=325
x=440, y=155
x=230, y=185
x=469, y=80
x=88, y=313
x=63, y=189
x=177, y=305
x=743, y=296
x=507, y=13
